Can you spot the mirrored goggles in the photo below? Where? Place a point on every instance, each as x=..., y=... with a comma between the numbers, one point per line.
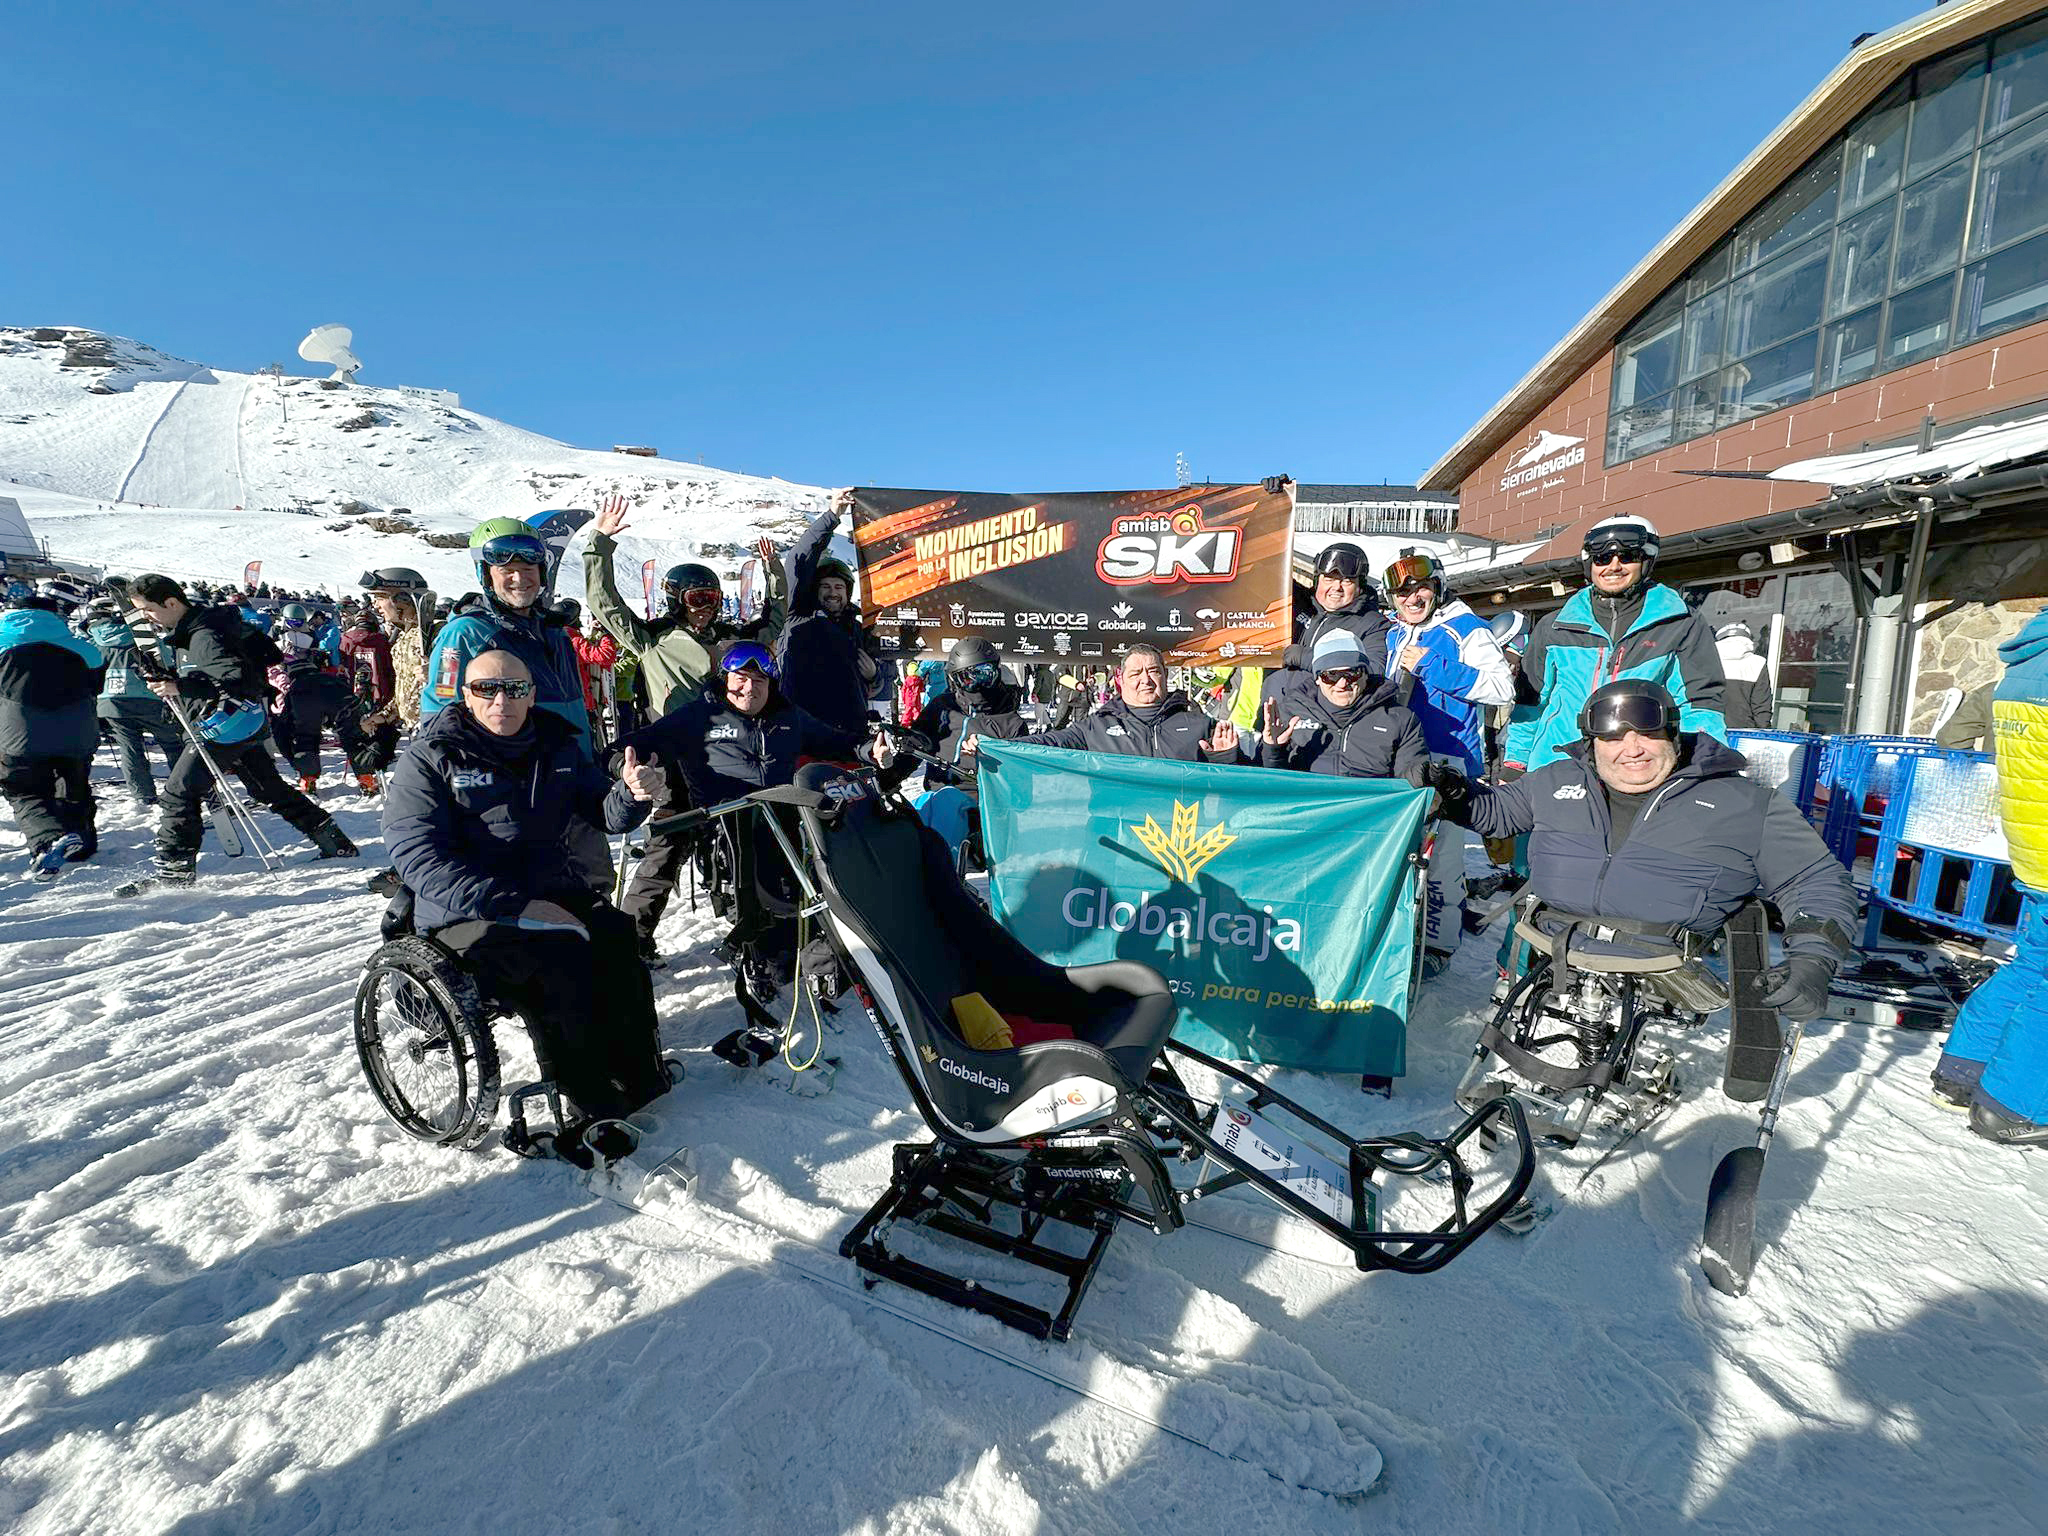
x=1412, y=571
x=1612, y=719
x=982, y=674
x=512, y=547
x=493, y=687
x=1340, y=675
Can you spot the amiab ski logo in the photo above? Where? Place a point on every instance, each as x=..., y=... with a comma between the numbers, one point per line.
x=1167, y=547
x=1186, y=849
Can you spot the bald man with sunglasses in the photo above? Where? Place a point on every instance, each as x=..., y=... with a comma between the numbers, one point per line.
x=473, y=820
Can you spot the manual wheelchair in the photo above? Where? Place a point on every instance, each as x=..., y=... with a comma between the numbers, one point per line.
x=424, y=1037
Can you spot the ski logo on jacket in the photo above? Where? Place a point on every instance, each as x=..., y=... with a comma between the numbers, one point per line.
x=1167, y=547
x=472, y=778
x=1569, y=792
x=723, y=733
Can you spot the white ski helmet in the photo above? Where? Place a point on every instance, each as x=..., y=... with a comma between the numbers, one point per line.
x=1627, y=530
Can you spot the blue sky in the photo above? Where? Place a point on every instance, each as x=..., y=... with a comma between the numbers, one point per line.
x=1016, y=248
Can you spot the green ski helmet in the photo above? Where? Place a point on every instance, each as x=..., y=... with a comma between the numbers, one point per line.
x=500, y=540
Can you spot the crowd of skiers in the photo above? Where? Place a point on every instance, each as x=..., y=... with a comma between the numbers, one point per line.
x=1588, y=749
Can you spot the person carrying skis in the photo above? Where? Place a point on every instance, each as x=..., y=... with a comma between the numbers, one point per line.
x=1644, y=823
x=475, y=822
x=1459, y=673
x=677, y=657
x=220, y=672
x=49, y=680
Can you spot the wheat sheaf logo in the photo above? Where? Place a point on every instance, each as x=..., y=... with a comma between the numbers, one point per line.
x=1183, y=852
x=928, y=1053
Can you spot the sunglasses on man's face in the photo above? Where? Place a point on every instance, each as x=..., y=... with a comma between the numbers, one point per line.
x=1341, y=676
x=1615, y=554
x=494, y=687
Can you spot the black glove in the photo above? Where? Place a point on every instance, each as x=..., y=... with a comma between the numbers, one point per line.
x=1798, y=988
x=1453, y=789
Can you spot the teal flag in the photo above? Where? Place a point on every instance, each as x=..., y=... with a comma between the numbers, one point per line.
x=1281, y=907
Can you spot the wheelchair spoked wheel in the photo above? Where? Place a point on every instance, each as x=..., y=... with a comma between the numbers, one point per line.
x=425, y=1044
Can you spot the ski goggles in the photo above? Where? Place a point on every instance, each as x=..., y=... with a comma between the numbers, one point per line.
x=500, y=687
x=393, y=580
x=512, y=547
x=1341, y=676
x=1613, y=718
x=982, y=674
x=1344, y=563
x=748, y=657
x=696, y=597
x=1413, y=571
x=1627, y=547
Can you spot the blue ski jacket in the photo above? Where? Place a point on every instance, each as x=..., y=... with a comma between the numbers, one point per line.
x=537, y=636
x=1463, y=674
x=1593, y=640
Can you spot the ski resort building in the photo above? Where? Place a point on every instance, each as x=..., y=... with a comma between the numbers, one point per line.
x=1827, y=387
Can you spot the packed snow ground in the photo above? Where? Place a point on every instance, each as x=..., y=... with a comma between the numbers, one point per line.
x=233, y=1297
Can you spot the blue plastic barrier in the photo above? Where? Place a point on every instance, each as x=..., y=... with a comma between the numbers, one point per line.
x=1941, y=856
x=1853, y=787
x=1789, y=761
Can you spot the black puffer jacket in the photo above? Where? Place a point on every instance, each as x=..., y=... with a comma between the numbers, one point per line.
x=1703, y=843
x=214, y=657
x=1377, y=738
x=1177, y=733
x=956, y=715
x=724, y=754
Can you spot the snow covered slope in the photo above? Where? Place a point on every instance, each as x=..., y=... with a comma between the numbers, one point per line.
x=126, y=457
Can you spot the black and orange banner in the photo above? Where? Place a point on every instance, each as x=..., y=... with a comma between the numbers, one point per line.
x=1201, y=572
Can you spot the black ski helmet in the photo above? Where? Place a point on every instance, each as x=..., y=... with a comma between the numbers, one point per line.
x=1629, y=704
x=974, y=665
x=678, y=581
x=393, y=578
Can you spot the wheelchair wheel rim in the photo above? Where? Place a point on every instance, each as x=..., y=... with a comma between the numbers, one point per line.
x=422, y=1063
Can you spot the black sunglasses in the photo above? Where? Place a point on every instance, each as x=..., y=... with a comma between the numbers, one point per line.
x=1341, y=675
x=492, y=687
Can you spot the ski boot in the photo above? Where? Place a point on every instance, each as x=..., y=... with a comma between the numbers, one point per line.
x=333, y=843
x=367, y=786
x=176, y=868
x=308, y=782
x=46, y=863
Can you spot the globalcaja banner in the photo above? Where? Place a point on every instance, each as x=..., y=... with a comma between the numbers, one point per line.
x=1201, y=572
x=1280, y=907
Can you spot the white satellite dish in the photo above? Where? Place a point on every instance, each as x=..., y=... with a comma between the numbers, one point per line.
x=329, y=344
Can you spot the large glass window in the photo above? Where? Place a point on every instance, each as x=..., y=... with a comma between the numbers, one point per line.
x=1851, y=267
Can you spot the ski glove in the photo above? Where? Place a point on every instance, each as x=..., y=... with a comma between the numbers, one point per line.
x=1453, y=789
x=1798, y=988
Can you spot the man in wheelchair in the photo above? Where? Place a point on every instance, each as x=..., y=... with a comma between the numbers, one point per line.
x=473, y=819
x=1646, y=829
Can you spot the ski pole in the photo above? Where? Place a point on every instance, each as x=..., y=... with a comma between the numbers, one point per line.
x=244, y=817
